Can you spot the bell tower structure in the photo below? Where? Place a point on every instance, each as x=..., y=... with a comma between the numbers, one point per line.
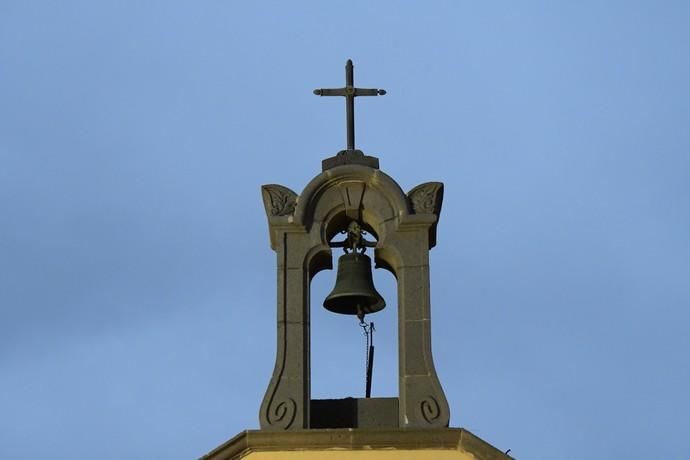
x=352, y=195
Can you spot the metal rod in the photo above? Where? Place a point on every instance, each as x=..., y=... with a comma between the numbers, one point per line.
x=350, y=104
x=370, y=369
x=370, y=359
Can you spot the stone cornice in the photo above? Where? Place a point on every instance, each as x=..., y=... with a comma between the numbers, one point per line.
x=457, y=439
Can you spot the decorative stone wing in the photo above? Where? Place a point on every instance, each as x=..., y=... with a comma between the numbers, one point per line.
x=426, y=198
x=278, y=200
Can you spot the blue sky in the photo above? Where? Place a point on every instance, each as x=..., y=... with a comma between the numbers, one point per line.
x=137, y=285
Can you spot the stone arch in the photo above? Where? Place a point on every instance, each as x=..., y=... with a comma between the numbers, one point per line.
x=355, y=187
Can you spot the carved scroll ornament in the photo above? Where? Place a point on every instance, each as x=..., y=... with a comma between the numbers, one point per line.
x=430, y=409
x=281, y=414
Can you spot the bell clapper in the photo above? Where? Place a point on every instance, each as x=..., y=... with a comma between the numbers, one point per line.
x=360, y=315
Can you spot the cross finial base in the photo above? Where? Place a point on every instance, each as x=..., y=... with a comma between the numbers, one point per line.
x=349, y=157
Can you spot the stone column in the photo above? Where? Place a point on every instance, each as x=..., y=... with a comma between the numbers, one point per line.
x=286, y=402
x=422, y=401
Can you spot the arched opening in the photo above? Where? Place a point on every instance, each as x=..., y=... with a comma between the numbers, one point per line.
x=338, y=343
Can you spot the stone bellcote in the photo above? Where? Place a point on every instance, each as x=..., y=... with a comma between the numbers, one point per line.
x=300, y=228
x=352, y=195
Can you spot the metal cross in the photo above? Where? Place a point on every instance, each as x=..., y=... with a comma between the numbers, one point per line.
x=350, y=92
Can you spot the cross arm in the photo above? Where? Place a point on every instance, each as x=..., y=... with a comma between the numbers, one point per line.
x=330, y=92
x=369, y=92
x=349, y=91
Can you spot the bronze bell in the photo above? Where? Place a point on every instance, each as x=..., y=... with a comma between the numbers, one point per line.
x=354, y=292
